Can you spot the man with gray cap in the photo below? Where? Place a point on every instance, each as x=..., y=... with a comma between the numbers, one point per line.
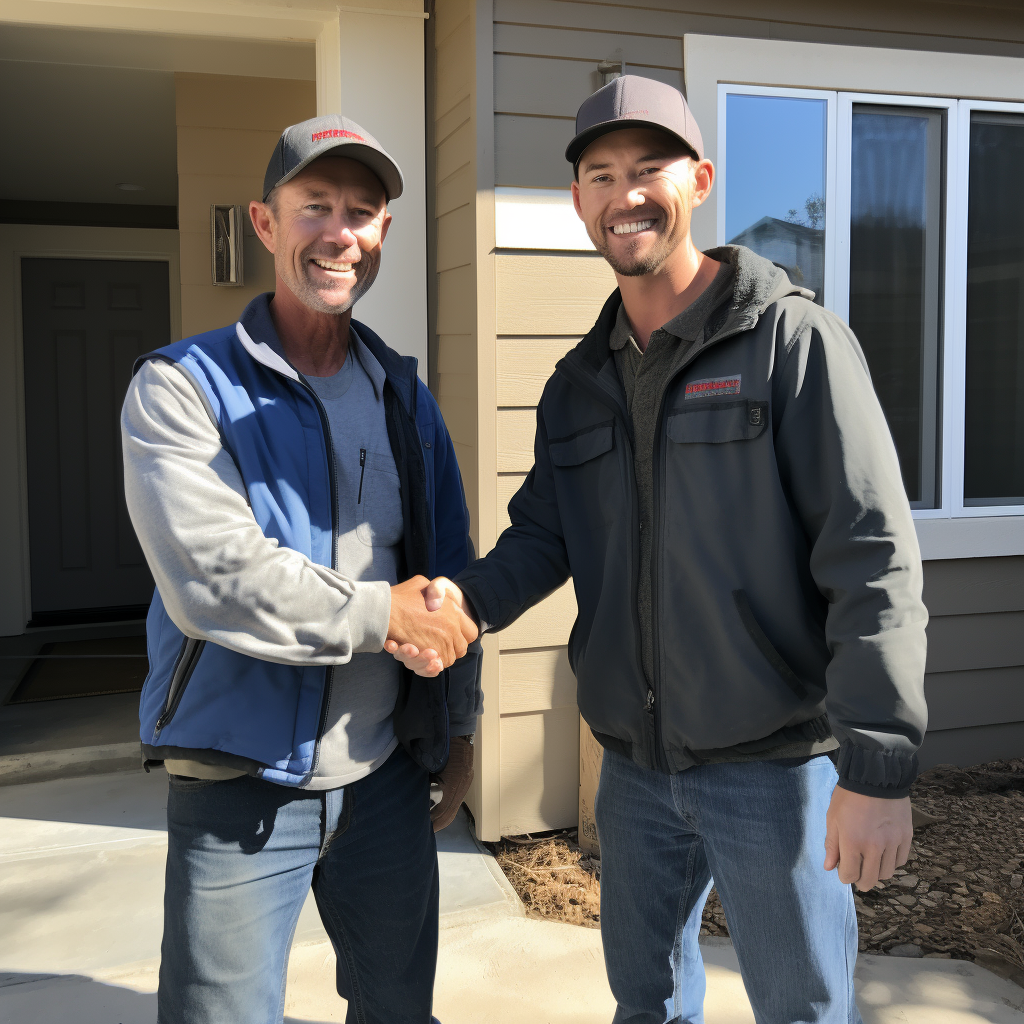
x=714, y=470
x=294, y=487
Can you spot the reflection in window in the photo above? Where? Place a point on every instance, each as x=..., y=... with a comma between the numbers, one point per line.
x=895, y=277
x=775, y=200
x=994, y=430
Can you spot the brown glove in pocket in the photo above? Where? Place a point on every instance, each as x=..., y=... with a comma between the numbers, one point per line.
x=455, y=779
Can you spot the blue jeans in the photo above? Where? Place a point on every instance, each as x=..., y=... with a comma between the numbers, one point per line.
x=757, y=830
x=241, y=856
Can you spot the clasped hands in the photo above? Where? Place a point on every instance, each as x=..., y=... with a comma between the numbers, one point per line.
x=429, y=628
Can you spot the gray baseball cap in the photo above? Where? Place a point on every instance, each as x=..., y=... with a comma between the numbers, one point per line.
x=331, y=135
x=634, y=102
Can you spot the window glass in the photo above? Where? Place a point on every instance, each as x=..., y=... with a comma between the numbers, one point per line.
x=895, y=277
x=775, y=199
x=994, y=428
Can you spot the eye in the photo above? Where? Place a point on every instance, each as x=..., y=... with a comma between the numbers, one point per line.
x=315, y=207
x=650, y=170
x=601, y=178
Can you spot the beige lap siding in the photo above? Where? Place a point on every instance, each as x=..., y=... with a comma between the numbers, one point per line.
x=545, y=304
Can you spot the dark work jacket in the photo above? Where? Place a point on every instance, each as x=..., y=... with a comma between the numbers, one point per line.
x=786, y=573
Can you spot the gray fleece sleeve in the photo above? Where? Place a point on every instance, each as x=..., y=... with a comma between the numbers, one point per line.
x=841, y=472
x=220, y=578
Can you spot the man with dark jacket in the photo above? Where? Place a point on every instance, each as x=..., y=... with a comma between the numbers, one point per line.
x=294, y=488
x=715, y=472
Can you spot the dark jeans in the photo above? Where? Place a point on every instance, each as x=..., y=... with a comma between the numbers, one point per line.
x=242, y=855
x=759, y=829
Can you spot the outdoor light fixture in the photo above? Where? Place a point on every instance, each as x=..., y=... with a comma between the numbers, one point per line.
x=226, y=245
x=609, y=70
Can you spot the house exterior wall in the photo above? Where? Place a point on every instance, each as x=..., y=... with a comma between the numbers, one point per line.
x=367, y=61
x=545, y=56
x=227, y=129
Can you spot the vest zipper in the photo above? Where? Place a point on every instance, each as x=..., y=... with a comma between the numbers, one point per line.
x=325, y=701
x=362, y=473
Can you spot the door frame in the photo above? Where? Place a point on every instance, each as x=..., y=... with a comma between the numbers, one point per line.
x=18, y=242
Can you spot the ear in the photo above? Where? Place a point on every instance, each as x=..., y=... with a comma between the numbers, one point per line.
x=385, y=224
x=262, y=218
x=703, y=180
x=575, y=187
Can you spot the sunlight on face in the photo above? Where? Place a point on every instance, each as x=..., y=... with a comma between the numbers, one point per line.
x=635, y=195
x=327, y=227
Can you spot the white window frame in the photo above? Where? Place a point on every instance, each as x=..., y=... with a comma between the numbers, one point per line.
x=837, y=260
x=958, y=311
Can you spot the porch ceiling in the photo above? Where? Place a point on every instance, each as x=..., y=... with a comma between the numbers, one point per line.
x=74, y=132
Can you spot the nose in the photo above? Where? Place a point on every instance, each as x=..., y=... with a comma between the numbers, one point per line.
x=338, y=232
x=635, y=197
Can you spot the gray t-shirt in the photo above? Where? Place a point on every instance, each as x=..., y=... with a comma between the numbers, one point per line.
x=358, y=734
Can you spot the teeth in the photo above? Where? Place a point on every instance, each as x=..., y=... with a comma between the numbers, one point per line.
x=328, y=265
x=629, y=229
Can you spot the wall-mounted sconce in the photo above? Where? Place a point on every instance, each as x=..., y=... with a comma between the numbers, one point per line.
x=226, y=245
x=609, y=70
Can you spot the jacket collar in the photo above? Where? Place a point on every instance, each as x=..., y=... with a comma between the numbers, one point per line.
x=758, y=284
x=258, y=336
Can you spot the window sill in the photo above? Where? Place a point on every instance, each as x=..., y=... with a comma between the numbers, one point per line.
x=970, y=537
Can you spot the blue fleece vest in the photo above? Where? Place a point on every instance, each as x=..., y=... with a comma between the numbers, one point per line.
x=204, y=702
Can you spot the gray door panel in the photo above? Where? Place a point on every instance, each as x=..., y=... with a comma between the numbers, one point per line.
x=85, y=322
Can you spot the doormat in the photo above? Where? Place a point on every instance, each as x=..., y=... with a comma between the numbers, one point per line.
x=84, y=668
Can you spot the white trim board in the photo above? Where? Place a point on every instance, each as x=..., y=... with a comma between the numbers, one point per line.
x=989, y=537
x=538, y=218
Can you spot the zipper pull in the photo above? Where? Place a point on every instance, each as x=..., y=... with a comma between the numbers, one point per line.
x=649, y=706
x=362, y=473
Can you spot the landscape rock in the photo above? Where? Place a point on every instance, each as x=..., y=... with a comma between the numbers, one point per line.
x=909, y=949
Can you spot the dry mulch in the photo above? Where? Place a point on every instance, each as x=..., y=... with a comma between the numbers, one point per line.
x=960, y=895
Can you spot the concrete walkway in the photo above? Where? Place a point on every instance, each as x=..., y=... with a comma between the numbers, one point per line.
x=81, y=868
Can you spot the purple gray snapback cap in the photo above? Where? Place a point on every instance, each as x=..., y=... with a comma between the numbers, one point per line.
x=634, y=102
x=332, y=135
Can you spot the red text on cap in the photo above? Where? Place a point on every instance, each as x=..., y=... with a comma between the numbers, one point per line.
x=336, y=133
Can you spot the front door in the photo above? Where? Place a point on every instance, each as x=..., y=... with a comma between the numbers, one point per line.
x=85, y=323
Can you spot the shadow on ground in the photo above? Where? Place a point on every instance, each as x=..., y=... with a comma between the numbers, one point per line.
x=47, y=998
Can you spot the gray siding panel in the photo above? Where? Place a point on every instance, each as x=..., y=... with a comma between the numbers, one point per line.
x=973, y=746
x=556, y=87
x=960, y=700
x=530, y=151
x=957, y=643
x=971, y=585
x=975, y=680
x=576, y=44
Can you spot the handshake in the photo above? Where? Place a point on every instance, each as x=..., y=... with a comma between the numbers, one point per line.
x=430, y=626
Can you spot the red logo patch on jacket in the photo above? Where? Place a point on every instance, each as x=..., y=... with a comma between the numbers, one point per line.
x=712, y=386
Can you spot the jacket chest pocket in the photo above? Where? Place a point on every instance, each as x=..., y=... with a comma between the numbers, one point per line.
x=719, y=422
x=378, y=500
x=581, y=447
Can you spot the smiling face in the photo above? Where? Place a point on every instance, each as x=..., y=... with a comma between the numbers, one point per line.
x=325, y=228
x=635, y=192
